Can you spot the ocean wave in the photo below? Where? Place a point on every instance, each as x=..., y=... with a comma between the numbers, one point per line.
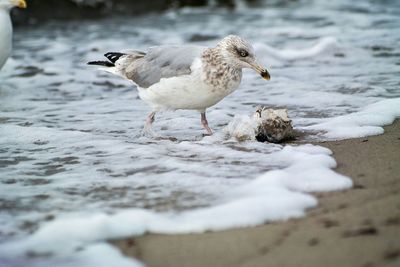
x=322, y=47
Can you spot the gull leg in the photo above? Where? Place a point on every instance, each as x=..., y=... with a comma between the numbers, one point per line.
x=204, y=122
x=149, y=124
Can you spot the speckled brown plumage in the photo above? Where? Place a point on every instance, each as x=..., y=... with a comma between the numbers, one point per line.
x=217, y=72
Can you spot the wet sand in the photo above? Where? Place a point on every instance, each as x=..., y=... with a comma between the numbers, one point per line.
x=356, y=227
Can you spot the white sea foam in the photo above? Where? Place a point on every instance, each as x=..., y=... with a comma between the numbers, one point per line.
x=275, y=195
x=368, y=121
x=96, y=255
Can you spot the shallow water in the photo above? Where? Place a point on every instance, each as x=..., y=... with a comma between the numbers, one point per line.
x=70, y=135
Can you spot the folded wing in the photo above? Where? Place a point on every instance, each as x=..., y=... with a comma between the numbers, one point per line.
x=146, y=69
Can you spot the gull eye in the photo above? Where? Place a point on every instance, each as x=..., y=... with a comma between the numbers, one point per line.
x=242, y=52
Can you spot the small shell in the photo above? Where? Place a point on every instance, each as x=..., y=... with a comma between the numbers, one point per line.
x=273, y=125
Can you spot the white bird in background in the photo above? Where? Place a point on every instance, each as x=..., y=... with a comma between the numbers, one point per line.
x=6, y=27
x=185, y=77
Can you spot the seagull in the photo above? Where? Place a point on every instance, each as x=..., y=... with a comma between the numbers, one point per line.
x=172, y=77
x=6, y=27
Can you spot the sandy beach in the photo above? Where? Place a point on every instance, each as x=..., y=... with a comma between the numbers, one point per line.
x=356, y=227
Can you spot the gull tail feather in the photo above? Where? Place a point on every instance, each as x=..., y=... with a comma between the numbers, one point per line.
x=118, y=61
x=114, y=56
x=109, y=66
x=111, y=56
x=101, y=63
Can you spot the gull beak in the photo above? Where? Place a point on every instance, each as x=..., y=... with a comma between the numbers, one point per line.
x=19, y=3
x=263, y=72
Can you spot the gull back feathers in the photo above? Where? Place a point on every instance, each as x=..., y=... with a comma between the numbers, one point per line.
x=146, y=69
x=5, y=35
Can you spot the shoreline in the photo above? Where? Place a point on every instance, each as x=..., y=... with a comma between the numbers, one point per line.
x=355, y=227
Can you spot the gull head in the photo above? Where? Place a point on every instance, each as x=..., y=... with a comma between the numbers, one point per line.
x=8, y=4
x=239, y=53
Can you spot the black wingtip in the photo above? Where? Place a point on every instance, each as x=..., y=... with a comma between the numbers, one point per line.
x=101, y=63
x=113, y=56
